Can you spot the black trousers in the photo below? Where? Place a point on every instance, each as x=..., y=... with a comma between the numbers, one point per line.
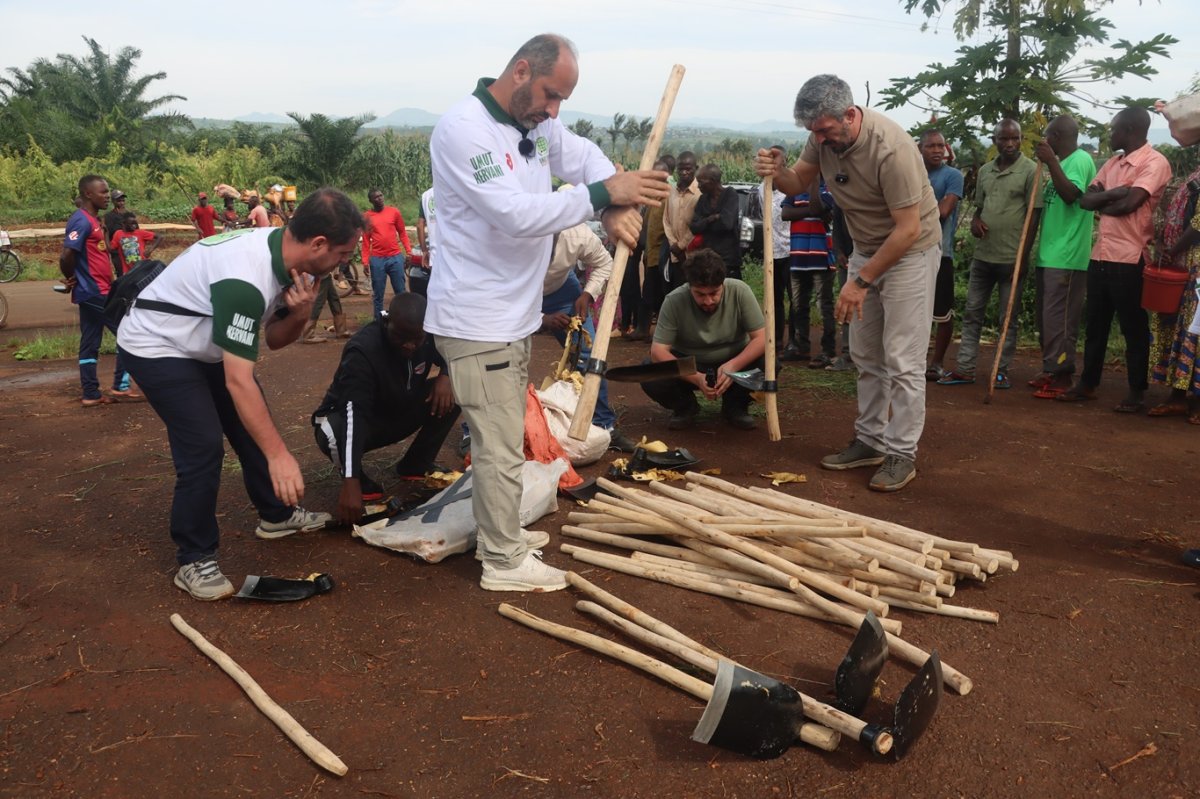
x=677, y=395
x=1116, y=289
x=343, y=439
x=191, y=399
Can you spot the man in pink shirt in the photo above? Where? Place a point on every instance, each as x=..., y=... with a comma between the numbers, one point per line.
x=1126, y=190
x=381, y=254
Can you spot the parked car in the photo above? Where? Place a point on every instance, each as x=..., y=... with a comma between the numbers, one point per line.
x=751, y=218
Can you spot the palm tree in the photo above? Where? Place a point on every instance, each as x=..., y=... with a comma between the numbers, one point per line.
x=100, y=96
x=616, y=130
x=321, y=153
x=582, y=127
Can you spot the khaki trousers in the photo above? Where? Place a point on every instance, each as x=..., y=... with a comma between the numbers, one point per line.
x=489, y=380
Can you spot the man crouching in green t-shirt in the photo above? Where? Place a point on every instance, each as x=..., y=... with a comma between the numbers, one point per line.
x=716, y=320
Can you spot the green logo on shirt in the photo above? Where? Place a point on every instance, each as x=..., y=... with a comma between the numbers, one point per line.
x=485, y=168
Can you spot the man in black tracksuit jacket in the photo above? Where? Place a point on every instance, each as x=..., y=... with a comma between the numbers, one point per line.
x=381, y=394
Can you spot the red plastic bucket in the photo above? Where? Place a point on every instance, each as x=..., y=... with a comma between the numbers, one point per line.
x=1162, y=289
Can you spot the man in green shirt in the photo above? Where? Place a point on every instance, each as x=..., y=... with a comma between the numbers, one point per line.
x=1001, y=200
x=716, y=320
x=1063, y=252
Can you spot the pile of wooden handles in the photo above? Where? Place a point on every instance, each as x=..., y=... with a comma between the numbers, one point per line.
x=768, y=548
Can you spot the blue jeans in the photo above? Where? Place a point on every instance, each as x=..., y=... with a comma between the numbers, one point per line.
x=193, y=402
x=985, y=276
x=383, y=268
x=91, y=331
x=563, y=300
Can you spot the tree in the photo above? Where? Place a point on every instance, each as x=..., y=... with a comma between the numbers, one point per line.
x=1029, y=65
x=616, y=130
x=637, y=130
x=79, y=106
x=582, y=127
x=323, y=148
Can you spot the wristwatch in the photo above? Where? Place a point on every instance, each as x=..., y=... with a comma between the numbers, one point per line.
x=862, y=284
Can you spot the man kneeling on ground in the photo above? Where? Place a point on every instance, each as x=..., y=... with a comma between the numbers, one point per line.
x=381, y=394
x=718, y=321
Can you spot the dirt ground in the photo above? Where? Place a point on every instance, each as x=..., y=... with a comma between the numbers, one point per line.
x=408, y=673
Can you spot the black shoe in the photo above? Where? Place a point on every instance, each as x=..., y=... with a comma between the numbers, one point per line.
x=792, y=353
x=620, y=442
x=684, y=417
x=740, y=418
x=1191, y=557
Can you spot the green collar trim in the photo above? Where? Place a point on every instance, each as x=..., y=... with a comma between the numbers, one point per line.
x=275, y=243
x=489, y=102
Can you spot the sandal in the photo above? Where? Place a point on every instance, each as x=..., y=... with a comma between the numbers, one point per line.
x=1042, y=380
x=1168, y=409
x=1194, y=417
x=1126, y=406
x=1049, y=392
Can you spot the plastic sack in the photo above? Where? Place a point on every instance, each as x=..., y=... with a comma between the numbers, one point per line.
x=540, y=443
x=445, y=525
x=559, y=401
x=225, y=191
x=1183, y=118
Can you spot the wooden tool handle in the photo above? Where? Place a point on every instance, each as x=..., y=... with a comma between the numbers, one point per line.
x=1016, y=276
x=582, y=420
x=664, y=672
x=316, y=750
x=770, y=400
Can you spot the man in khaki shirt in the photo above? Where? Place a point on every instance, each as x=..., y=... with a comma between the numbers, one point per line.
x=677, y=217
x=877, y=178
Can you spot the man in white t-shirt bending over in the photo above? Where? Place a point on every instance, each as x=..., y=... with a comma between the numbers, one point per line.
x=493, y=156
x=192, y=338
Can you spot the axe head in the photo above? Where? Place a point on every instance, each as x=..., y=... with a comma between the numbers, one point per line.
x=856, y=675
x=917, y=706
x=279, y=589
x=750, y=713
x=647, y=372
x=752, y=379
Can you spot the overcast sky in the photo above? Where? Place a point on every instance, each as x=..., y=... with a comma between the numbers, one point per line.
x=745, y=59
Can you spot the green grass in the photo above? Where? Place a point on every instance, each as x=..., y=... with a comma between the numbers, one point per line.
x=51, y=345
x=37, y=269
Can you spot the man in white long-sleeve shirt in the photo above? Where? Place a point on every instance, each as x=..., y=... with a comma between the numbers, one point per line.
x=493, y=156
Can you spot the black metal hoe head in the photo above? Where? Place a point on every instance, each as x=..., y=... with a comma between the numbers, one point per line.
x=750, y=713
x=917, y=706
x=856, y=675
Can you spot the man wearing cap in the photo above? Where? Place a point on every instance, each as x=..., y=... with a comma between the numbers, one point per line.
x=494, y=153
x=204, y=217
x=114, y=220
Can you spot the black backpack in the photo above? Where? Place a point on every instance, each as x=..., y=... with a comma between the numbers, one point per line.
x=124, y=291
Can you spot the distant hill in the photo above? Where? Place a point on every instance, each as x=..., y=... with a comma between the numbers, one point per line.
x=405, y=118
x=261, y=117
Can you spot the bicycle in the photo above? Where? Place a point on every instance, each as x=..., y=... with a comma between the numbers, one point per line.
x=346, y=279
x=10, y=262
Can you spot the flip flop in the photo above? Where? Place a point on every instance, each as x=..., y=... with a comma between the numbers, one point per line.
x=1049, y=392
x=1041, y=381
x=1129, y=407
x=1168, y=409
x=1194, y=418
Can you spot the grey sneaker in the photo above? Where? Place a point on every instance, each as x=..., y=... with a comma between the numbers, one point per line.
x=895, y=473
x=534, y=539
x=529, y=575
x=840, y=364
x=203, y=580
x=301, y=521
x=854, y=456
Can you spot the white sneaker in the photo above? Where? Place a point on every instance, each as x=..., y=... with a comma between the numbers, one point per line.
x=534, y=539
x=203, y=580
x=530, y=575
x=301, y=521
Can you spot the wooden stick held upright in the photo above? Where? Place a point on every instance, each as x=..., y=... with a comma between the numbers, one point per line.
x=770, y=399
x=1012, y=293
x=582, y=419
x=316, y=750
